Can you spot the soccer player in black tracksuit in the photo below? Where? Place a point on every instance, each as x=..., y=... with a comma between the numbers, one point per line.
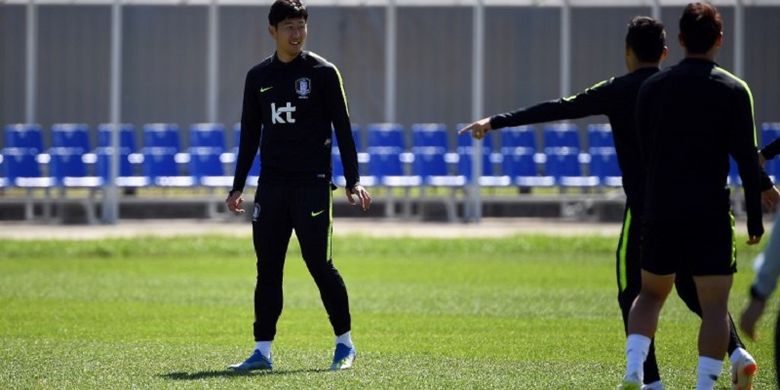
x=616, y=98
x=292, y=101
x=690, y=118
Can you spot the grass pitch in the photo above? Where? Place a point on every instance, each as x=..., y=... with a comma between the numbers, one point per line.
x=526, y=312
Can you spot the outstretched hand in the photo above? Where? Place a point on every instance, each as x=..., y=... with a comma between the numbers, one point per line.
x=364, y=198
x=478, y=129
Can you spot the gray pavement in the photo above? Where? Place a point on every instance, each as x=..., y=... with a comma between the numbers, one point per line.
x=489, y=227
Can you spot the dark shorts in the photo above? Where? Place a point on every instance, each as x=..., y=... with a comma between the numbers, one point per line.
x=702, y=246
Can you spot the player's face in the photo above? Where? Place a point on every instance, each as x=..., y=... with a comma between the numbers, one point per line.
x=289, y=34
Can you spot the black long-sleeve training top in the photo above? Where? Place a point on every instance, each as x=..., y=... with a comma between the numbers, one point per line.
x=615, y=98
x=290, y=112
x=690, y=118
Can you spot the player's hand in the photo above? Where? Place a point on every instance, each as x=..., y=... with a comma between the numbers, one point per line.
x=233, y=202
x=770, y=198
x=478, y=129
x=363, y=196
x=750, y=317
x=753, y=240
x=761, y=160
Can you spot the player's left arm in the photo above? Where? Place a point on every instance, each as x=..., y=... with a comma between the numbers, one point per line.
x=744, y=149
x=338, y=110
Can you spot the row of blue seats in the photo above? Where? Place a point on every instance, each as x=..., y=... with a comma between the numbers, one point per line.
x=386, y=161
x=214, y=135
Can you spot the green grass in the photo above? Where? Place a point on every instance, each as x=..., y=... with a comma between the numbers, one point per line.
x=526, y=312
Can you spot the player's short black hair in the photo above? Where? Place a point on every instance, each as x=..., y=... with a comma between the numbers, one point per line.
x=647, y=38
x=287, y=9
x=700, y=26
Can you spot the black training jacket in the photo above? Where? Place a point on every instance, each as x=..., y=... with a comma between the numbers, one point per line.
x=690, y=118
x=290, y=112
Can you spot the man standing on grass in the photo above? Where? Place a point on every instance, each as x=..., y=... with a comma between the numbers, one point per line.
x=616, y=98
x=292, y=101
x=690, y=118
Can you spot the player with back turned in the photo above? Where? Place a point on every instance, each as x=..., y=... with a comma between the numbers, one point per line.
x=293, y=102
x=616, y=97
x=690, y=119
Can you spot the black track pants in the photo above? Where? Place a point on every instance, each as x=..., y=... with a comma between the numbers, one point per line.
x=279, y=209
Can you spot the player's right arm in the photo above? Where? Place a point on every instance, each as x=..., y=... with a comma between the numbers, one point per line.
x=592, y=101
x=745, y=153
x=251, y=125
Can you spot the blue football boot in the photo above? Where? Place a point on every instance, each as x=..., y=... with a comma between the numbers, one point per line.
x=343, y=357
x=255, y=362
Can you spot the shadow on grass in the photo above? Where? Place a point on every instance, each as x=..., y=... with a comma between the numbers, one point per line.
x=189, y=376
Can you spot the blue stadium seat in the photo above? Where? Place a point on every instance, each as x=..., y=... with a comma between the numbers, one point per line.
x=604, y=166
x=161, y=156
x=387, y=157
x=465, y=150
x=430, y=147
x=23, y=156
x=600, y=136
x=519, y=157
x=520, y=136
x=23, y=170
x=520, y=165
x=207, y=149
x=431, y=165
x=564, y=165
x=70, y=135
x=162, y=135
x=206, y=167
x=68, y=169
x=254, y=172
x=161, y=168
x=561, y=135
x=430, y=134
x=127, y=156
x=24, y=136
x=387, y=169
x=69, y=156
x=386, y=134
x=208, y=135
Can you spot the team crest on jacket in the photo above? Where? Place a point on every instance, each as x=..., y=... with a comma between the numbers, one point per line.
x=303, y=87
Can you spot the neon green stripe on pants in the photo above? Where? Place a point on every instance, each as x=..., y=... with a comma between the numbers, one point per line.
x=622, y=275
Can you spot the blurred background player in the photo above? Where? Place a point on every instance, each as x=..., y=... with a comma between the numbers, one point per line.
x=292, y=100
x=616, y=98
x=765, y=281
x=690, y=118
